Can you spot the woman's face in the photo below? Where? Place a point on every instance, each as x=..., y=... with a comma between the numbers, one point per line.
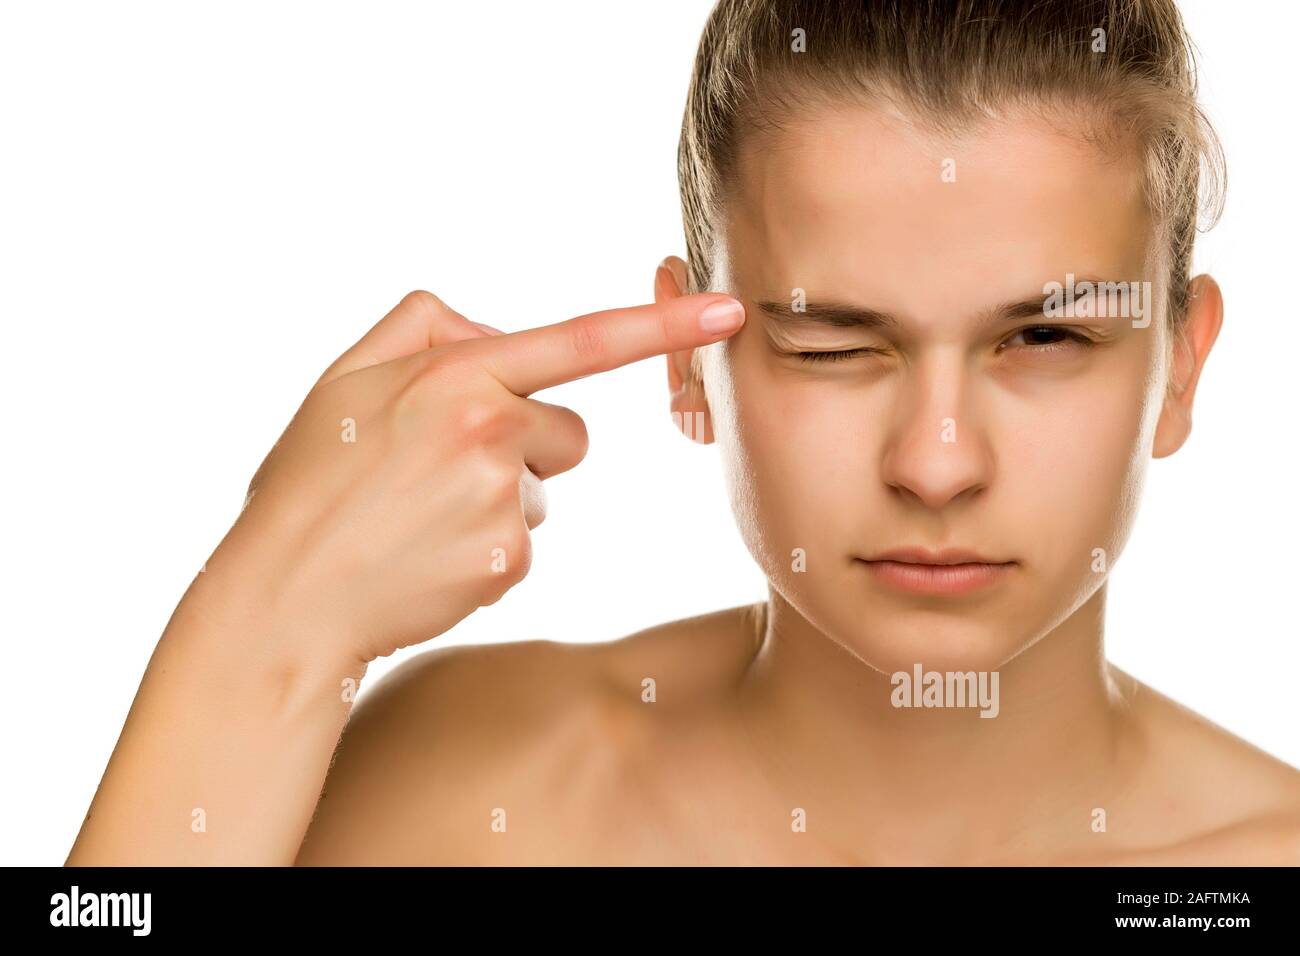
x=967, y=428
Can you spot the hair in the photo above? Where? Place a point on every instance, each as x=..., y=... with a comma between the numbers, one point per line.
x=949, y=64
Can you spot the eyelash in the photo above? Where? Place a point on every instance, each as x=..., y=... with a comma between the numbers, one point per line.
x=834, y=356
x=1075, y=337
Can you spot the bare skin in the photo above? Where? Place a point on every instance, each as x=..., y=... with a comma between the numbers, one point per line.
x=588, y=773
x=397, y=501
x=771, y=737
x=760, y=711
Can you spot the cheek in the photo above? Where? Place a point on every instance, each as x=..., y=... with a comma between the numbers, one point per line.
x=789, y=453
x=801, y=457
x=802, y=464
x=1074, y=467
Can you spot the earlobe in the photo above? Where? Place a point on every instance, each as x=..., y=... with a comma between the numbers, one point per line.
x=1190, y=350
x=689, y=406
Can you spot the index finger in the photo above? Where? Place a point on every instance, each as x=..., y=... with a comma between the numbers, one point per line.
x=534, y=359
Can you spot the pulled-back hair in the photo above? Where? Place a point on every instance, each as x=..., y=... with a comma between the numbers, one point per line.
x=1125, y=68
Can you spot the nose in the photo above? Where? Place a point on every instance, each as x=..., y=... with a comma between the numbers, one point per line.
x=937, y=449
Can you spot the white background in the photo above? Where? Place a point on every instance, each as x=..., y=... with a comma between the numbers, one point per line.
x=201, y=205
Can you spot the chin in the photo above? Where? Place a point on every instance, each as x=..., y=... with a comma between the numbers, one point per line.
x=896, y=642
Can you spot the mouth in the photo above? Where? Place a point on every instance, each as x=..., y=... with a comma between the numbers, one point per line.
x=950, y=571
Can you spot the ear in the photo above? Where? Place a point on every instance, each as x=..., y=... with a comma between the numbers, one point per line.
x=690, y=408
x=1190, y=349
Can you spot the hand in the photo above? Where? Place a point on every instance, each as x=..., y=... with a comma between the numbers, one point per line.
x=401, y=495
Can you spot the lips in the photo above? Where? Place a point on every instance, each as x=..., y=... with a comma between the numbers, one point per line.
x=948, y=571
x=942, y=556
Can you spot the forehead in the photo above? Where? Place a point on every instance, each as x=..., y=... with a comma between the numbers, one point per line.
x=862, y=202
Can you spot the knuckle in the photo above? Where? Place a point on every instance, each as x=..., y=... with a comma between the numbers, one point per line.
x=493, y=484
x=666, y=334
x=435, y=378
x=581, y=438
x=506, y=495
x=421, y=301
x=519, y=545
x=567, y=425
x=588, y=339
x=442, y=364
x=500, y=483
x=480, y=423
x=512, y=558
x=571, y=433
x=519, y=554
x=427, y=378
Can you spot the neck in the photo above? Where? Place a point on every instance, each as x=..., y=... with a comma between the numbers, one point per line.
x=936, y=784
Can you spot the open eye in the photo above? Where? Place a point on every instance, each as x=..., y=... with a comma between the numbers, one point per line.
x=1048, y=338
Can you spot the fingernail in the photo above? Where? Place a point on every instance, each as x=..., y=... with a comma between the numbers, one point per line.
x=487, y=328
x=722, y=316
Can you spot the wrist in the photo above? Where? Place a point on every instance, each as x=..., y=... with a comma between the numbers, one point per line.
x=240, y=625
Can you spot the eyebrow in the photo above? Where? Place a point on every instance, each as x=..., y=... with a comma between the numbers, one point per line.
x=844, y=315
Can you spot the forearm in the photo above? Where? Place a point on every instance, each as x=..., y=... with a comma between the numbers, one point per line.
x=226, y=746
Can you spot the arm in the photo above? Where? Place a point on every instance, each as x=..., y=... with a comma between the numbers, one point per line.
x=227, y=745
x=397, y=501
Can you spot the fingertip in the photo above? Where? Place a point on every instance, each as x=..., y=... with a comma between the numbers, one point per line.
x=725, y=315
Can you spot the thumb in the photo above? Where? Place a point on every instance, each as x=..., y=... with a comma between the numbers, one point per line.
x=420, y=321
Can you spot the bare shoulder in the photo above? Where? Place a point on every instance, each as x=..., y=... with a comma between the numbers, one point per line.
x=1212, y=797
x=522, y=752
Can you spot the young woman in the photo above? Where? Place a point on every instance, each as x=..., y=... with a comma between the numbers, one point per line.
x=936, y=315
